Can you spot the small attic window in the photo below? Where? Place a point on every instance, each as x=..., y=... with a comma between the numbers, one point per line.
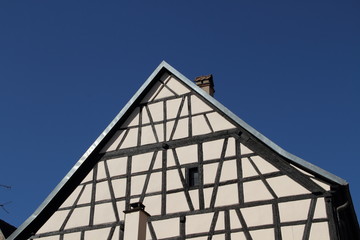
x=193, y=177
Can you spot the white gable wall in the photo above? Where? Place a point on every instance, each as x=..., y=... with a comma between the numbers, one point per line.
x=239, y=194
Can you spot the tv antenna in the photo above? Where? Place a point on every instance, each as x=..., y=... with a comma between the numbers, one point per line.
x=2, y=205
x=5, y=186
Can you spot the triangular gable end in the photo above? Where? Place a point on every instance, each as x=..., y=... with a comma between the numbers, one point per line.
x=147, y=120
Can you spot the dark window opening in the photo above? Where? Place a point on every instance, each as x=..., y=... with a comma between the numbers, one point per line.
x=193, y=177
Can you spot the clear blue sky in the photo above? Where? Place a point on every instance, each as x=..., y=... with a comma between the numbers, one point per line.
x=291, y=69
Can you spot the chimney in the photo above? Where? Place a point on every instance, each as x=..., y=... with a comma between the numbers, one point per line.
x=135, y=222
x=206, y=83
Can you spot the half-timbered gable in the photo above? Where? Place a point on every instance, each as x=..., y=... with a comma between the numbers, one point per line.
x=200, y=171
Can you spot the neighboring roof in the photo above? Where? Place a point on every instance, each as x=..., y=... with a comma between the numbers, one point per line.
x=6, y=229
x=123, y=113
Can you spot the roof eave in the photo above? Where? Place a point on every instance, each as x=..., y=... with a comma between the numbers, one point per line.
x=88, y=152
x=296, y=160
